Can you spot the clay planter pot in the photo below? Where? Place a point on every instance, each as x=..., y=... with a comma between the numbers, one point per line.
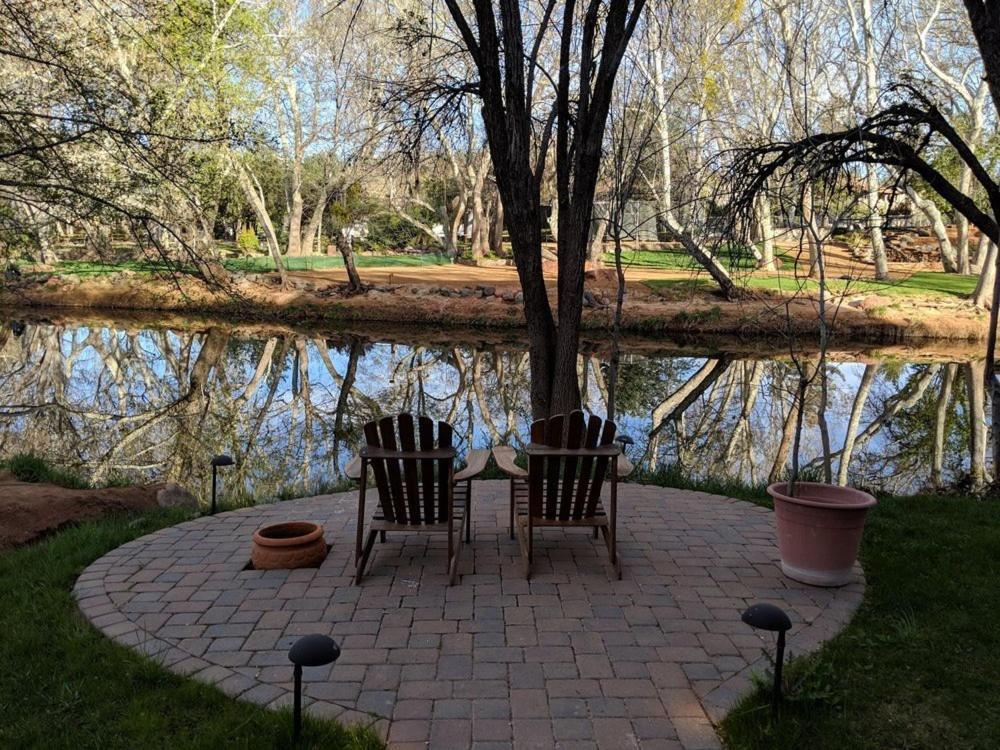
x=284, y=546
x=819, y=530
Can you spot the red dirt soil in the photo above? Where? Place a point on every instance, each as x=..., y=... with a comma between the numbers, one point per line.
x=30, y=511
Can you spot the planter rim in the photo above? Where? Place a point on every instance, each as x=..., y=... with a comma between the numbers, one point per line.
x=310, y=533
x=778, y=492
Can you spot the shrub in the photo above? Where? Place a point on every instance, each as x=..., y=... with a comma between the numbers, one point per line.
x=27, y=467
x=247, y=241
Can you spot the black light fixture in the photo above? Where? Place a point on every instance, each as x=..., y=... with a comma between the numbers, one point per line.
x=765, y=616
x=218, y=461
x=624, y=441
x=308, y=651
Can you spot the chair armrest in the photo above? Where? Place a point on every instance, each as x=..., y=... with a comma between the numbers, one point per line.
x=353, y=468
x=475, y=462
x=504, y=455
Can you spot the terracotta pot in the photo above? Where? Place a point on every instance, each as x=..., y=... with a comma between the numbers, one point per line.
x=284, y=546
x=819, y=530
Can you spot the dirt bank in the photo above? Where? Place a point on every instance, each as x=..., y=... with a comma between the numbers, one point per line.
x=486, y=298
x=30, y=511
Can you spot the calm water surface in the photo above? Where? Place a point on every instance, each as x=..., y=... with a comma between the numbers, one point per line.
x=126, y=401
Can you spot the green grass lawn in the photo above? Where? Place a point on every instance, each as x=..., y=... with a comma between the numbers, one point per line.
x=87, y=269
x=319, y=262
x=256, y=264
x=919, y=665
x=923, y=283
x=64, y=685
x=677, y=260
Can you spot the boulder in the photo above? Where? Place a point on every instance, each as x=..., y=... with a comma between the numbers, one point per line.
x=172, y=495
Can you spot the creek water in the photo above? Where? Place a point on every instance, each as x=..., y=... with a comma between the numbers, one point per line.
x=131, y=400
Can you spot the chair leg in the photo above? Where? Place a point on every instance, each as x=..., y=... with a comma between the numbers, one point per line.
x=511, y=508
x=381, y=537
x=468, y=514
x=453, y=558
x=609, y=540
x=362, y=562
x=529, y=557
x=595, y=532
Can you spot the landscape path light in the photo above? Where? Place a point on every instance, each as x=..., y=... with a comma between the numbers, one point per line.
x=218, y=461
x=308, y=651
x=768, y=617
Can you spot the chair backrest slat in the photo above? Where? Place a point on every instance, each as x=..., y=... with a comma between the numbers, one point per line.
x=568, y=487
x=554, y=439
x=586, y=466
x=387, y=430
x=444, y=471
x=600, y=469
x=426, y=428
x=373, y=439
x=408, y=443
x=411, y=490
x=574, y=439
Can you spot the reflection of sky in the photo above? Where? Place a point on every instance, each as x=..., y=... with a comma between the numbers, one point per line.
x=108, y=388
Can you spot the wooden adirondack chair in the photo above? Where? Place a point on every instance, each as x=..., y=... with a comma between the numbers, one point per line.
x=418, y=489
x=569, y=460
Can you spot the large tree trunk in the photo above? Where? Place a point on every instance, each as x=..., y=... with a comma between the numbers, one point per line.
x=595, y=244
x=480, y=219
x=983, y=296
x=496, y=226
x=948, y=258
x=810, y=229
x=875, y=218
x=986, y=27
x=345, y=244
x=255, y=195
x=962, y=223
x=506, y=72
x=765, y=232
x=524, y=229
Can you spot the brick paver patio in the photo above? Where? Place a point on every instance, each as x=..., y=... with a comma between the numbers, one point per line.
x=571, y=659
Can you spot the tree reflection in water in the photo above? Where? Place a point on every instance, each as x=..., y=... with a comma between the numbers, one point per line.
x=143, y=403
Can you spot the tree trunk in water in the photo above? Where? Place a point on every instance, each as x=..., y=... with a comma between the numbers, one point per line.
x=860, y=399
x=345, y=245
x=976, y=386
x=787, y=433
x=927, y=207
x=940, y=423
